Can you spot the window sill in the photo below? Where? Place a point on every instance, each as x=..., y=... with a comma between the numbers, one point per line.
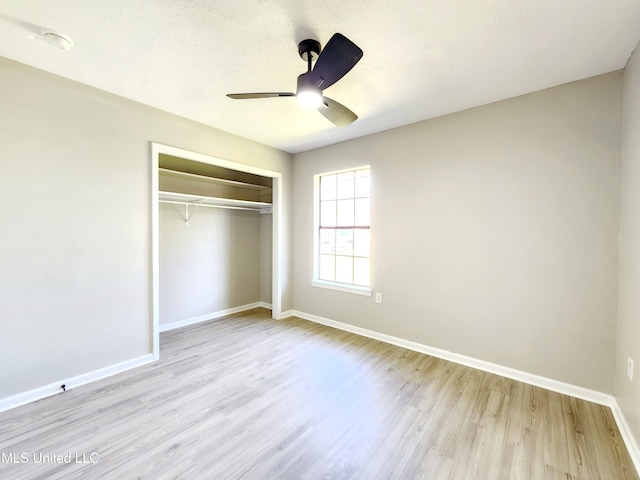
x=341, y=287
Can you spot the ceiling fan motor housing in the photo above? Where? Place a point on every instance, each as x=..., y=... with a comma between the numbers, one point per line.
x=304, y=83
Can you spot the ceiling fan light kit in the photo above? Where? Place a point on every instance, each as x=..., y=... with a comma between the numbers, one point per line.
x=332, y=63
x=308, y=95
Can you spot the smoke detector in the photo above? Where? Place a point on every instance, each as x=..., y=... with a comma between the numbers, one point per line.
x=57, y=40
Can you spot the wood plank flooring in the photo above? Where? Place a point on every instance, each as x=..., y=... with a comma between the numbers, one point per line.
x=248, y=397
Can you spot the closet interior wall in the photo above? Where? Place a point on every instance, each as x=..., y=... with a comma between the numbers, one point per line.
x=214, y=240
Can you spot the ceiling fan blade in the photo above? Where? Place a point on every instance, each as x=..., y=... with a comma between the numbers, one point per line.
x=336, y=59
x=243, y=96
x=337, y=113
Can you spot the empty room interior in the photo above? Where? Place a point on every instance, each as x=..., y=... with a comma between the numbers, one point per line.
x=431, y=273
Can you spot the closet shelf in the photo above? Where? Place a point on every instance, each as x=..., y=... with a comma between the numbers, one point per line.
x=216, y=202
x=213, y=180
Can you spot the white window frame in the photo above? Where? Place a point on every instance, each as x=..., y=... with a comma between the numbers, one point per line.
x=316, y=282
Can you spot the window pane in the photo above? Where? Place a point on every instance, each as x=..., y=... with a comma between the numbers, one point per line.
x=328, y=214
x=361, y=242
x=328, y=187
x=345, y=213
x=327, y=267
x=346, y=186
x=363, y=183
x=344, y=269
x=361, y=271
x=343, y=234
x=362, y=212
x=344, y=241
x=327, y=240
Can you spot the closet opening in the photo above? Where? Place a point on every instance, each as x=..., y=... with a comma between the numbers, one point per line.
x=216, y=238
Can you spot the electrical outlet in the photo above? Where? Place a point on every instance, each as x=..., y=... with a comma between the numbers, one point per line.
x=378, y=297
x=630, y=368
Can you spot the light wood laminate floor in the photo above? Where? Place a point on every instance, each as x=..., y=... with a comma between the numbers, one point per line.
x=247, y=397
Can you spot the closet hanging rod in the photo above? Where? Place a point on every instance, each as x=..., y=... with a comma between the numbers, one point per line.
x=229, y=207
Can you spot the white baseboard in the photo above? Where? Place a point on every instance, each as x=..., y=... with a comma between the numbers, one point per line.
x=525, y=377
x=538, y=381
x=54, y=388
x=627, y=435
x=211, y=316
x=73, y=382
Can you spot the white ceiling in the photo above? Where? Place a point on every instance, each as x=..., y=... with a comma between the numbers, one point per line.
x=422, y=58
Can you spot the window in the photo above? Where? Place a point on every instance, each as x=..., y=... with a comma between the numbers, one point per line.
x=342, y=234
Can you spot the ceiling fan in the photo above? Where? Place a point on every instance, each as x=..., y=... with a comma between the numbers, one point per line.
x=332, y=63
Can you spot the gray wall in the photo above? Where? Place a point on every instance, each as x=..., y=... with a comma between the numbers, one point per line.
x=495, y=229
x=494, y=232
x=627, y=392
x=211, y=265
x=75, y=260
